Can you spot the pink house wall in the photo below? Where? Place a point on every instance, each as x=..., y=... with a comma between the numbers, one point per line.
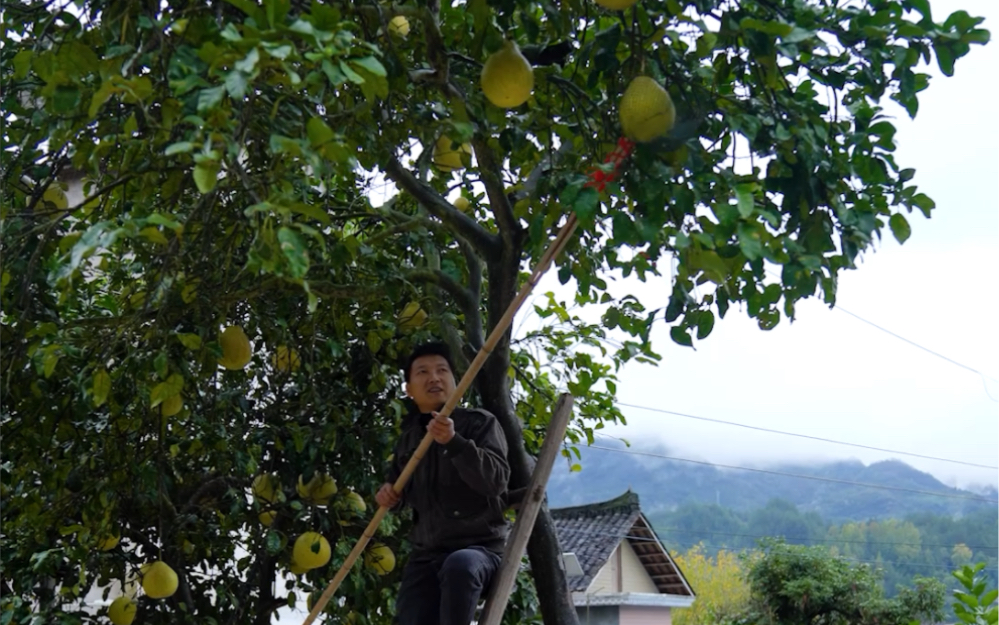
x=645, y=615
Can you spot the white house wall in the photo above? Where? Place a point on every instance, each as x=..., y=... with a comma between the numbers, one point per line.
x=634, y=577
x=645, y=615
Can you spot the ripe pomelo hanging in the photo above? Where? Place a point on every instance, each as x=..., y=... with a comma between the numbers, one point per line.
x=461, y=203
x=412, y=316
x=266, y=487
x=285, y=359
x=158, y=579
x=236, y=350
x=122, y=611
x=507, y=77
x=311, y=550
x=448, y=157
x=318, y=490
x=399, y=26
x=380, y=559
x=646, y=110
x=108, y=542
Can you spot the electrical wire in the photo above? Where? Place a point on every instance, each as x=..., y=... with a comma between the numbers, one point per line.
x=926, y=349
x=913, y=343
x=808, y=436
x=798, y=475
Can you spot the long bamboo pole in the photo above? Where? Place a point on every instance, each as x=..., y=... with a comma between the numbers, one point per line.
x=556, y=247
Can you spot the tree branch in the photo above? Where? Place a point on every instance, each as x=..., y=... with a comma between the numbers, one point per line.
x=466, y=299
x=491, y=173
x=474, y=331
x=486, y=243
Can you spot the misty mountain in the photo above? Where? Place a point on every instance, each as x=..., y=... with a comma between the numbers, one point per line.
x=845, y=490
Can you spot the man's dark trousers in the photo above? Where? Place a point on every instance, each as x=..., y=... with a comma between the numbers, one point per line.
x=444, y=588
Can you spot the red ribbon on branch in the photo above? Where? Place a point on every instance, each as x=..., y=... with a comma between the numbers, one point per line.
x=598, y=177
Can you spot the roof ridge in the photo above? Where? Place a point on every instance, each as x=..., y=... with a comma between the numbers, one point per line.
x=627, y=501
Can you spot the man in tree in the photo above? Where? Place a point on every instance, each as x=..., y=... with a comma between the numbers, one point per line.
x=456, y=494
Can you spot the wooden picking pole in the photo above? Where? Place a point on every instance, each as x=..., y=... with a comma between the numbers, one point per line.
x=556, y=247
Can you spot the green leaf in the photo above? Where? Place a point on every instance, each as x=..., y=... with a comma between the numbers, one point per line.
x=374, y=341
x=101, y=387
x=585, y=203
x=351, y=75
x=210, y=98
x=777, y=29
x=705, y=323
x=190, y=341
x=294, y=249
x=106, y=90
x=371, y=64
x=181, y=147
x=749, y=241
x=235, y=84
x=206, y=176
x=924, y=202
x=309, y=210
x=680, y=336
x=22, y=63
x=899, y=227
x=273, y=542
x=165, y=390
x=248, y=64
x=744, y=197
x=318, y=132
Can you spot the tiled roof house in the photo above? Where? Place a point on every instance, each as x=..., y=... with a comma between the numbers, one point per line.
x=628, y=577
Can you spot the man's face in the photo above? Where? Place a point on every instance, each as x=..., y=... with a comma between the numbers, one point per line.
x=430, y=382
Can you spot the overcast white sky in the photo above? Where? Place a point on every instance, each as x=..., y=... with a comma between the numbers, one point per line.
x=833, y=376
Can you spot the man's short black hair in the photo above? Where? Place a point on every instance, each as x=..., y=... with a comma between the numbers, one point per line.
x=435, y=348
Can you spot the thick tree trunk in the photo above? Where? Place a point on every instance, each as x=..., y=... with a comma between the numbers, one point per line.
x=494, y=387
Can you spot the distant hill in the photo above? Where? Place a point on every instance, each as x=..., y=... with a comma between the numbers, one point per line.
x=663, y=485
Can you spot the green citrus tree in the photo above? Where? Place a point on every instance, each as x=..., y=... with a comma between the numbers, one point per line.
x=173, y=169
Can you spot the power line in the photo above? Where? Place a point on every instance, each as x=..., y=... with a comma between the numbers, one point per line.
x=914, y=344
x=797, y=475
x=815, y=438
x=926, y=349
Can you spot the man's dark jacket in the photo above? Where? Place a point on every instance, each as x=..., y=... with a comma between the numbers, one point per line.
x=456, y=492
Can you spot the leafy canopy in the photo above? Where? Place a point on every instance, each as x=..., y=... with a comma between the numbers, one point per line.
x=225, y=164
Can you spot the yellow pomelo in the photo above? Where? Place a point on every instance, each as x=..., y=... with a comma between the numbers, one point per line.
x=646, y=110
x=507, y=78
x=158, y=579
x=448, y=157
x=236, y=350
x=412, y=316
x=311, y=550
x=266, y=518
x=285, y=359
x=356, y=502
x=266, y=487
x=54, y=197
x=380, y=559
x=462, y=203
x=318, y=490
x=108, y=543
x=399, y=26
x=171, y=405
x=122, y=611
x=616, y=5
